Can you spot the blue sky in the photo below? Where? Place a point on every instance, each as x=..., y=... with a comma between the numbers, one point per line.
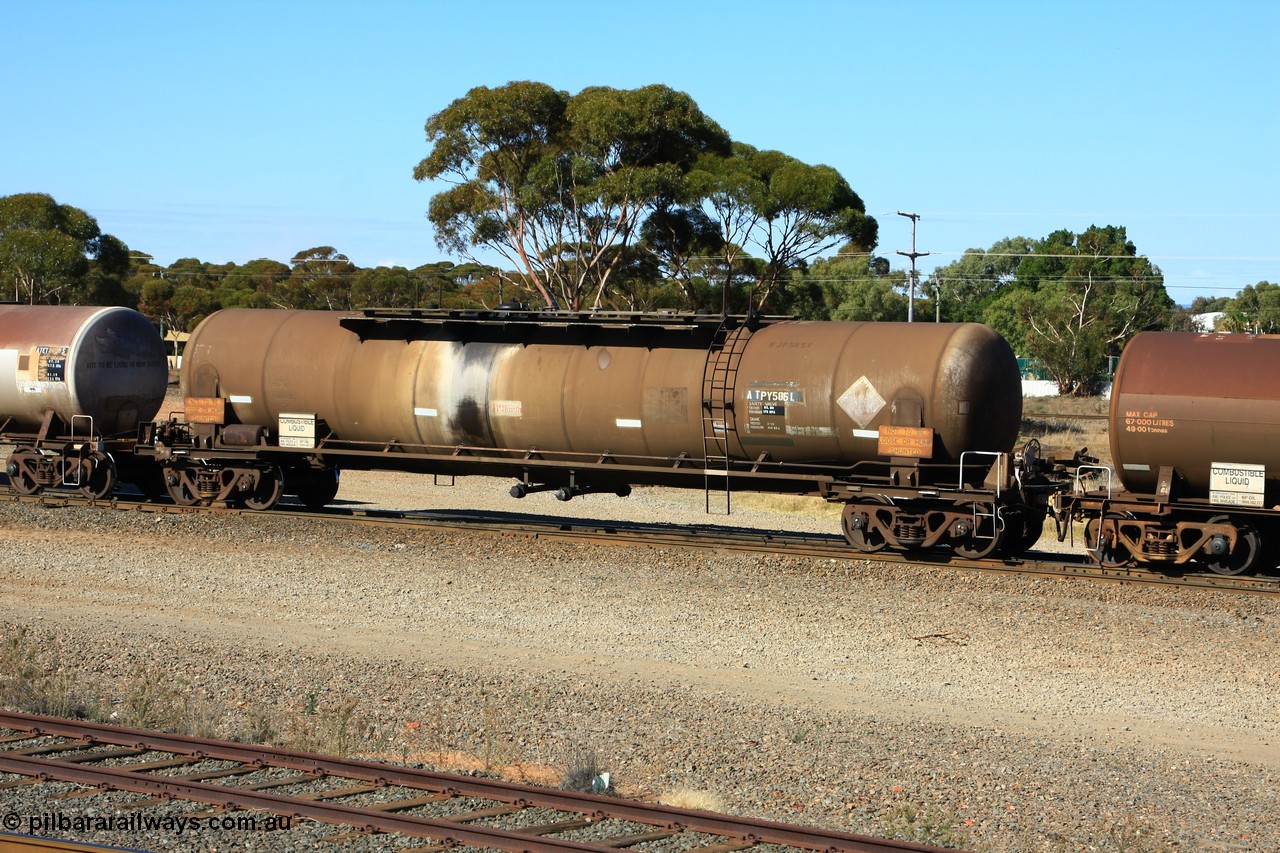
x=230, y=131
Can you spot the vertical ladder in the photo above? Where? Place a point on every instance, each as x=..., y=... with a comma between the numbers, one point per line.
x=719, y=425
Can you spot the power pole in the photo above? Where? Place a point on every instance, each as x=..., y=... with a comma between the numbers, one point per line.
x=913, y=254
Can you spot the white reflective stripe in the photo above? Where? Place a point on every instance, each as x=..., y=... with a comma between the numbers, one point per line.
x=1137, y=467
x=628, y=423
x=866, y=433
x=240, y=398
x=425, y=413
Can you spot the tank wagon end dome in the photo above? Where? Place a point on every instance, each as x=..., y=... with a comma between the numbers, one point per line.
x=958, y=379
x=105, y=363
x=979, y=382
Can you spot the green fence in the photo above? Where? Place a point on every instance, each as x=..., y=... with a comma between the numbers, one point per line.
x=1031, y=368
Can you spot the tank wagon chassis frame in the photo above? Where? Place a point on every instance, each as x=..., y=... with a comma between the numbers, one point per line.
x=1160, y=530
x=883, y=505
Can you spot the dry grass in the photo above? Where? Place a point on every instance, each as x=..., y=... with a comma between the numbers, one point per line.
x=787, y=504
x=1064, y=425
x=36, y=677
x=930, y=825
x=689, y=798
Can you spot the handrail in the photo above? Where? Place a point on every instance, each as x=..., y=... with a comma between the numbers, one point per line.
x=999, y=459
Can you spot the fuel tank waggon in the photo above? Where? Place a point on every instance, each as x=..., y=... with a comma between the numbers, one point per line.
x=821, y=391
x=798, y=391
x=105, y=363
x=1194, y=402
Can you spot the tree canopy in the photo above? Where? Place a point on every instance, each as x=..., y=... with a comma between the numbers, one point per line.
x=188, y=290
x=853, y=286
x=1069, y=299
x=55, y=253
x=557, y=185
x=614, y=191
x=635, y=199
x=1255, y=309
x=967, y=286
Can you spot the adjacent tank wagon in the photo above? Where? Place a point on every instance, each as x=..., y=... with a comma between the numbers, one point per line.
x=1195, y=442
x=73, y=382
x=103, y=368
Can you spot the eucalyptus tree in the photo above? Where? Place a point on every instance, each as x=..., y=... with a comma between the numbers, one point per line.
x=321, y=278
x=1079, y=298
x=558, y=185
x=855, y=286
x=966, y=286
x=790, y=211
x=250, y=285
x=1254, y=309
x=182, y=294
x=51, y=253
x=680, y=241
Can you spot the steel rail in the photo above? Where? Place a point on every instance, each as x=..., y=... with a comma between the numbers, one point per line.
x=774, y=542
x=11, y=843
x=745, y=832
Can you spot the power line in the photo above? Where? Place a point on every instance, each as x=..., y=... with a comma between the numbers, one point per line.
x=984, y=254
x=1114, y=216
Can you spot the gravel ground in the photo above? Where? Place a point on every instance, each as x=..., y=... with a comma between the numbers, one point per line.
x=986, y=712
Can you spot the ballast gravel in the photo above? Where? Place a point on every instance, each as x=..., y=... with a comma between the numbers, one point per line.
x=980, y=711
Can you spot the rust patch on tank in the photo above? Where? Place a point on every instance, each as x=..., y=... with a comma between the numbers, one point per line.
x=666, y=405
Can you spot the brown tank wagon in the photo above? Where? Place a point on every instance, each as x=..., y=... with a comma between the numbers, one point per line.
x=1195, y=440
x=911, y=427
x=73, y=380
x=803, y=392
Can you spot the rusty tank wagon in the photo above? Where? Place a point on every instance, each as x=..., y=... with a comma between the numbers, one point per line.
x=74, y=384
x=910, y=427
x=1195, y=442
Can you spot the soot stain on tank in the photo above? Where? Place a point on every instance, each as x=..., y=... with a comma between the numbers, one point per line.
x=468, y=420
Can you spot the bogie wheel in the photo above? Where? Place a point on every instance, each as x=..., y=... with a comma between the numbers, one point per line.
x=316, y=489
x=1023, y=528
x=990, y=534
x=266, y=493
x=1103, y=549
x=854, y=521
x=20, y=477
x=149, y=481
x=1245, y=556
x=97, y=476
x=179, y=487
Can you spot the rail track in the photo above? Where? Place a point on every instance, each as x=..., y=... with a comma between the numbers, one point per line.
x=702, y=536
x=363, y=798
